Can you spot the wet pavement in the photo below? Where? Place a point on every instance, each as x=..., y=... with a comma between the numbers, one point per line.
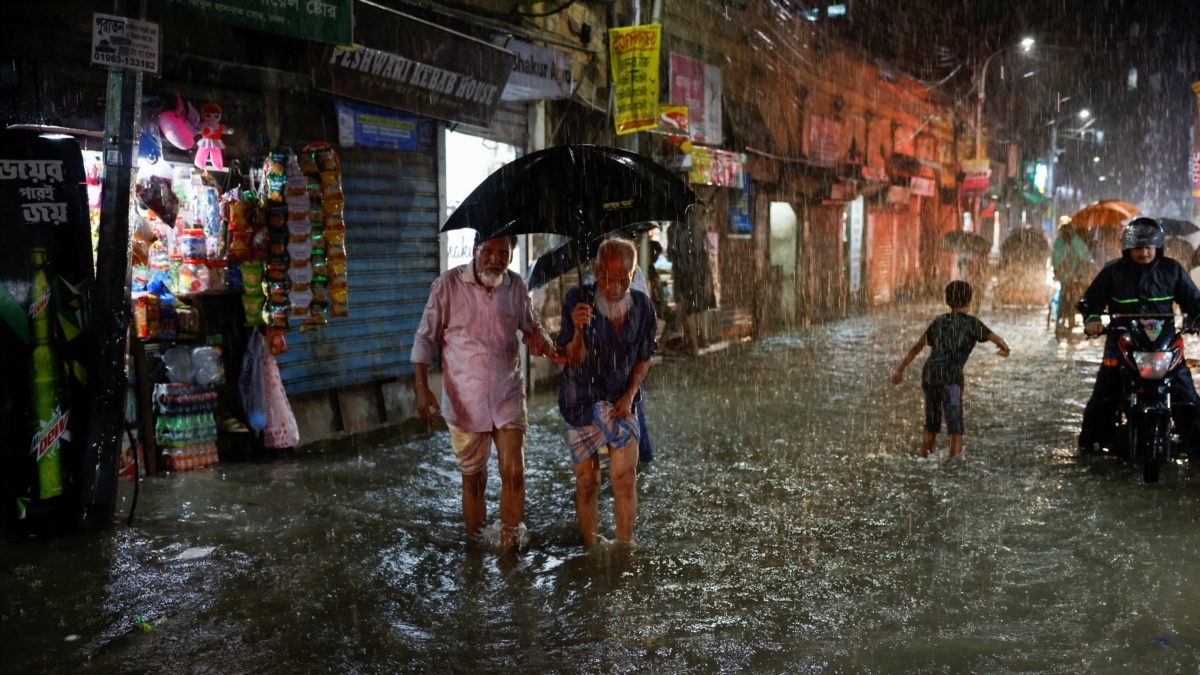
x=786, y=526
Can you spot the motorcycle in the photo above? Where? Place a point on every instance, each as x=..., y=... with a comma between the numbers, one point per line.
x=1150, y=357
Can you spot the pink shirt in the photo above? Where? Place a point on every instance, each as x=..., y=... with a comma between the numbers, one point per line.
x=483, y=387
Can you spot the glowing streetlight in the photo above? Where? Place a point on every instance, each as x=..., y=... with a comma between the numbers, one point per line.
x=1026, y=44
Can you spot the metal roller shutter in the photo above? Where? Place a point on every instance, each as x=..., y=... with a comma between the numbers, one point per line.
x=392, y=256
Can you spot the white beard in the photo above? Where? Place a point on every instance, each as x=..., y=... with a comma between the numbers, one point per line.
x=491, y=280
x=614, y=310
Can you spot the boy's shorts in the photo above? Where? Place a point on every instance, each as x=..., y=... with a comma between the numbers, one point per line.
x=943, y=399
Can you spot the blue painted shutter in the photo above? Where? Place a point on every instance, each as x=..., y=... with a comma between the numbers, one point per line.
x=392, y=257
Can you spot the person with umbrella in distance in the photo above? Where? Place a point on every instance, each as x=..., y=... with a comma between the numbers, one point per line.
x=1072, y=262
x=608, y=337
x=473, y=314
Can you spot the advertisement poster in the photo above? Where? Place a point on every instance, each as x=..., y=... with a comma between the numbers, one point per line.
x=633, y=52
x=698, y=86
x=717, y=167
x=45, y=281
x=373, y=127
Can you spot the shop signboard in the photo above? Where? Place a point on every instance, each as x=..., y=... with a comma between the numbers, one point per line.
x=857, y=219
x=368, y=126
x=633, y=53
x=404, y=63
x=722, y=168
x=698, y=86
x=538, y=73
x=922, y=187
x=976, y=174
x=823, y=136
x=121, y=42
x=318, y=20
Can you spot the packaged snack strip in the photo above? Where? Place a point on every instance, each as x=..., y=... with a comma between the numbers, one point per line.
x=297, y=203
x=252, y=274
x=239, y=217
x=333, y=202
x=276, y=341
x=277, y=217
x=300, y=300
x=297, y=186
x=302, y=274
x=308, y=163
x=299, y=251
x=252, y=307
x=241, y=246
x=276, y=315
x=277, y=292
x=299, y=228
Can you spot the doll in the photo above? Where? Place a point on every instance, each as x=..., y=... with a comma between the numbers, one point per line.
x=210, y=144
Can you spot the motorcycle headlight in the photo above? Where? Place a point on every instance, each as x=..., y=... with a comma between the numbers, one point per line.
x=1155, y=365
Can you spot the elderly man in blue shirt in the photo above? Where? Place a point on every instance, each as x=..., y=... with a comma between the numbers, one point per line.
x=602, y=384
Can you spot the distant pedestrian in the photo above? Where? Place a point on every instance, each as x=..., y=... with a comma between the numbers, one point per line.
x=951, y=338
x=1072, y=262
x=473, y=315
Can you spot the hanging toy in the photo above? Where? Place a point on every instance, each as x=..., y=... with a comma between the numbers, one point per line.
x=211, y=131
x=179, y=126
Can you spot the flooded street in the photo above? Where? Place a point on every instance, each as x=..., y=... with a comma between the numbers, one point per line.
x=787, y=525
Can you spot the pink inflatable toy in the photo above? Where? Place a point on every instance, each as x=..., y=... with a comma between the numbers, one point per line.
x=178, y=129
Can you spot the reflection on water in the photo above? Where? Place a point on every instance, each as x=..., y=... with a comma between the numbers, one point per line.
x=787, y=525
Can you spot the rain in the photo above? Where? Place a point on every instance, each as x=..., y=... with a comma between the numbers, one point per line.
x=859, y=156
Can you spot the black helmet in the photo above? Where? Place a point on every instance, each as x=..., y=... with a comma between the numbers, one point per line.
x=1141, y=232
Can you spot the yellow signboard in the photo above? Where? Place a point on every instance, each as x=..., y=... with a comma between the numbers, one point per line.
x=633, y=52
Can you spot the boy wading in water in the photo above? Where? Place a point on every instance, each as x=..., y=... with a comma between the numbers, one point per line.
x=950, y=337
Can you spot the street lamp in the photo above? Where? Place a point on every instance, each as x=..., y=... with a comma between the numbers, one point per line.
x=1025, y=45
x=1083, y=115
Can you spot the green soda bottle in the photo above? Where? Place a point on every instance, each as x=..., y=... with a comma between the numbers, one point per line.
x=49, y=405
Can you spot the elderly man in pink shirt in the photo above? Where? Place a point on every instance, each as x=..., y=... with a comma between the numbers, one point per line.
x=473, y=315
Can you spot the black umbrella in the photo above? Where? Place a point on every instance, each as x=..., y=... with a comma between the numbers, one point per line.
x=574, y=253
x=958, y=241
x=579, y=191
x=1173, y=227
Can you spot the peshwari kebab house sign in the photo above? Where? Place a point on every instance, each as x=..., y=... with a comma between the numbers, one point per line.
x=426, y=69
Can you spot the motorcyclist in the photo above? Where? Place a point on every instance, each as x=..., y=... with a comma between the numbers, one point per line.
x=1141, y=281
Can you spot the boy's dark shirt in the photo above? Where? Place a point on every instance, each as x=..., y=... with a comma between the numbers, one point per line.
x=951, y=339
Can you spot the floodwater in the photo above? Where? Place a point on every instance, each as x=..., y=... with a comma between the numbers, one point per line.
x=787, y=526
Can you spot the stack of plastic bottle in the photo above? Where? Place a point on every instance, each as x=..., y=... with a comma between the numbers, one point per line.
x=185, y=427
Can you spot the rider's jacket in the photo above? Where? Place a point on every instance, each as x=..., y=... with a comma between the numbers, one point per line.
x=1125, y=287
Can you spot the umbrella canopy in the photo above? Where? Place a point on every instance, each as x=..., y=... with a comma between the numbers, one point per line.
x=958, y=241
x=1179, y=249
x=1105, y=212
x=579, y=191
x=1026, y=245
x=573, y=253
x=1173, y=227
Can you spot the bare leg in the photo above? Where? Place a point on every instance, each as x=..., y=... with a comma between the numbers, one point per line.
x=956, y=444
x=510, y=448
x=623, y=465
x=473, y=504
x=587, y=489
x=927, y=443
